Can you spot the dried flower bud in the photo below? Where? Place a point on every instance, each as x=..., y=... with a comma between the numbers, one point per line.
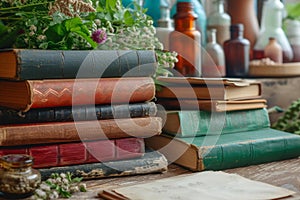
x=99, y=36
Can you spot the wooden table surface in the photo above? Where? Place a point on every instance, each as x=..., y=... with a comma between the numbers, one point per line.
x=283, y=174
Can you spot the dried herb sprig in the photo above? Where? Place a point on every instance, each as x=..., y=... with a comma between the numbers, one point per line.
x=59, y=185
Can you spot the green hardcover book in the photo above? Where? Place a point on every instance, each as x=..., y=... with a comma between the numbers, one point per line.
x=31, y=64
x=150, y=162
x=218, y=152
x=191, y=123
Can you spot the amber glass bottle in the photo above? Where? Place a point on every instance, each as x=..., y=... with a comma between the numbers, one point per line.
x=186, y=40
x=236, y=51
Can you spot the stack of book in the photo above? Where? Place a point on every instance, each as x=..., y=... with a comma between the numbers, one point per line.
x=215, y=124
x=68, y=109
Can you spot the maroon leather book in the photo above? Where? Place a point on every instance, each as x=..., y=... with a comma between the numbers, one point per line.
x=63, y=154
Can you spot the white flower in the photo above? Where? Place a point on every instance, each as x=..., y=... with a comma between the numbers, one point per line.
x=33, y=28
x=40, y=193
x=41, y=37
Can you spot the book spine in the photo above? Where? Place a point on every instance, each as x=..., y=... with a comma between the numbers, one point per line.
x=58, y=64
x=249, y=153
x=38, y=133
x=198, y=123
x=151, y=162
x=55, y=93
x=80, y=152
x=78, y=113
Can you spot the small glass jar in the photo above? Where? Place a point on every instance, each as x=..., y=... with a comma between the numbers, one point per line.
x=17, y=177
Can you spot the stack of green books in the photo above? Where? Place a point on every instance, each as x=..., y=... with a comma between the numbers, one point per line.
x=200, y=139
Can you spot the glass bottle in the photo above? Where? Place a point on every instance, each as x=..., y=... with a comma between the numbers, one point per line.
x=201, y=21
x=186, y=41
x=220, y=21
x=17, y=177
x=293, y=35
x=271, y=26
x=243, y=12
x=214, y=62
x=273, y=50
x=236, y=51
x=164, y=26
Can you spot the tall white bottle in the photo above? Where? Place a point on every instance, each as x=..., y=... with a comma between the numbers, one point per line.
x=164, y=26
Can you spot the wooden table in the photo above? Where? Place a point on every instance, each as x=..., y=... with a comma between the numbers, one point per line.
x=283, y=174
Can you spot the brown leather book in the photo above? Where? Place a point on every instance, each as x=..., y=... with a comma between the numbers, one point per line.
x=23, y=95
x=38, y=133
x=63, y=154
x=208, y=88
x=212, y=105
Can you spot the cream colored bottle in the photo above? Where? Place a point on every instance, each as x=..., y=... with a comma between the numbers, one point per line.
x=273, y=50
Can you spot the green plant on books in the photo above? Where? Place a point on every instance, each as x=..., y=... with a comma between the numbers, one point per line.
x=80, y=24
x=59, y=185
x=290, y=121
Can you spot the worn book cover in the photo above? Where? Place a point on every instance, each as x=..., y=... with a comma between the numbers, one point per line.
x=50, y=132
x=218, y=152
x=208, y=88
x=24, y=95
x=211, y=105
x=191, y=123
x=150, y=162
x=78, y=113
x=62, y=154
x=32, y=64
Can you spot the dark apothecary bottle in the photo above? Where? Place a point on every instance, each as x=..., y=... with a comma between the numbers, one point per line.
x=17, y=177
x=186, y=40
x=236, y=51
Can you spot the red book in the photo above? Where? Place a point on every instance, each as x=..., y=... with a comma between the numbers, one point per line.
x=63, y=154
x=24, y=95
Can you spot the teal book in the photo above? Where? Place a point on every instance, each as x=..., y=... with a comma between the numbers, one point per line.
x=218, y=152
x=191, y=123
x=32, y=64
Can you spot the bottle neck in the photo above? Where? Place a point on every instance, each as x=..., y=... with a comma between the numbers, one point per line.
x=272, y=14
x=185, y=17
x=236, y=34
x=184, y=24
x=212, y=37
x=219, y=6
x=165, y=20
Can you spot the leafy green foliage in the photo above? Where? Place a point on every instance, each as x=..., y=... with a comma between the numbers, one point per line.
x=290, y=121
x=27, y=24
x=293, y=11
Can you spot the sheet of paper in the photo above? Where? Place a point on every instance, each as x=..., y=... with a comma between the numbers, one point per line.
x=206, y=185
